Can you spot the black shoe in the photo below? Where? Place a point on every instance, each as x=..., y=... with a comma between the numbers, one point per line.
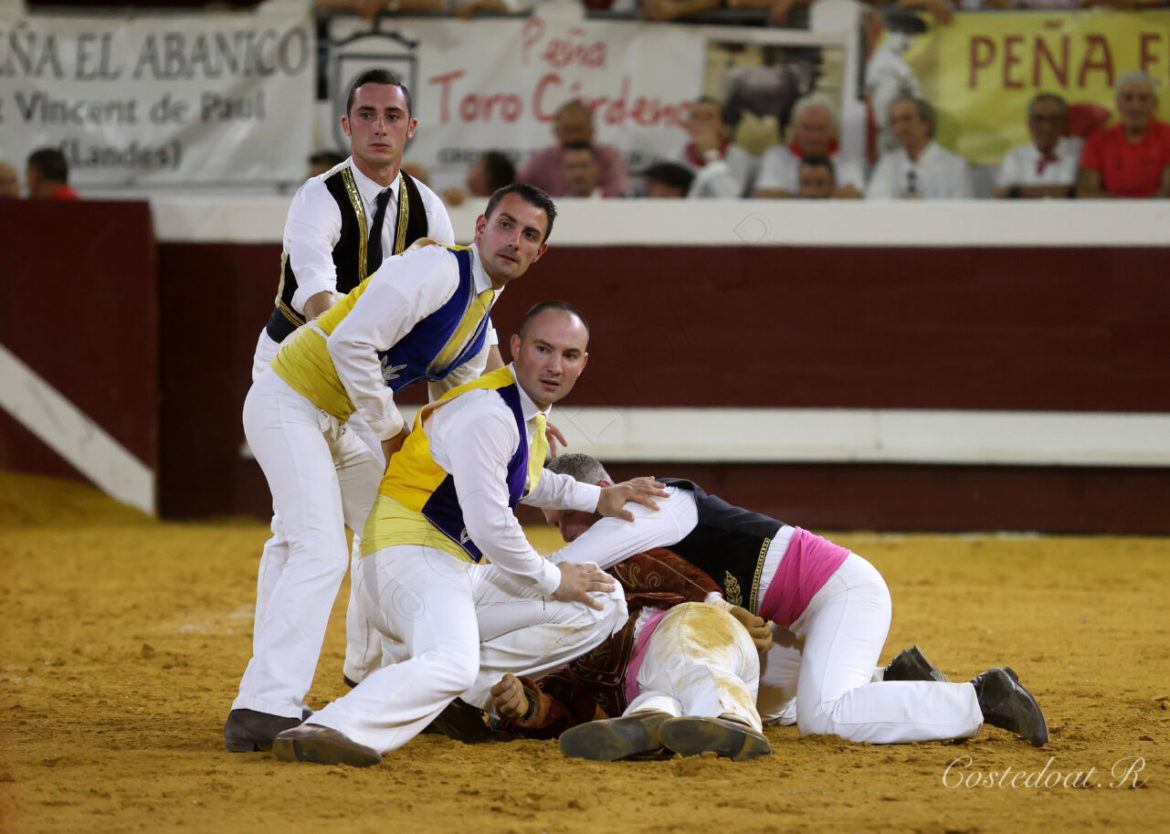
x=1007, y=705
x=322, y=745
x=247, y=730
x=691, y=736
x=911, y=665
x=610, y=739
x=463, y=722
x=348, y=681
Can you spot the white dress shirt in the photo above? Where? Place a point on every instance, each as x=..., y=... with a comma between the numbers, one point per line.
x=938, y=174
x=473, y=437
x=403, y=291
x=313, y=228
x=612, y=540
x=780, y=168
x=1021, y=166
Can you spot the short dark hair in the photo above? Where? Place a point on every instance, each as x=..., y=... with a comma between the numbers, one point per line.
x=50, y=164
x=672, y=174
x=1053, y=97
x=555, y=304
x=498, y=169
x=529, y=194
x=819, y=160
x=378, y=75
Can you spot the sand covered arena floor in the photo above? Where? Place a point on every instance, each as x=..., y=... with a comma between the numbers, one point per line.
x=123, y=639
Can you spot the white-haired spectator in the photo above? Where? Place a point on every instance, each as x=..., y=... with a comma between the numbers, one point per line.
x=1132, y=157
x=1046, y=166
x=920, y=168
x=814, y=133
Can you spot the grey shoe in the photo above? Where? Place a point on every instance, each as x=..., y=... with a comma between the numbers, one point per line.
x=611, y=739
x=911, y=665
x=322, y=745
x=1007, y=705
x=691, y=736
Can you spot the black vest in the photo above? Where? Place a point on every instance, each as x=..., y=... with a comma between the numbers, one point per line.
x=728, y=544
x=349, y=255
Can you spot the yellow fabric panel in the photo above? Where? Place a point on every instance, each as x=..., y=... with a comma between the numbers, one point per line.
x=305, y=364
x=390, y=524
x=537, y=452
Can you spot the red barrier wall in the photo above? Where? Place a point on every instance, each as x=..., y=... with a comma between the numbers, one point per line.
x=79, y=306
x=1031, y=329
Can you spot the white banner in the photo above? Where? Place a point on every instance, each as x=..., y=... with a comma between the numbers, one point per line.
x=496, y=84
x=162, y=101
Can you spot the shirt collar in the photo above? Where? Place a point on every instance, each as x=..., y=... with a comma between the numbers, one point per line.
x=479, y=277
x=370, y=189
x=528, y=408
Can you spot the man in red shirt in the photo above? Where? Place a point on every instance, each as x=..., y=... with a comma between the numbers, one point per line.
x=1130, y=158
x=47, y=174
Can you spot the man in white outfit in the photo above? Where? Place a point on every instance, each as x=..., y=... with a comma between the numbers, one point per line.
x=455, y=625
x=832, y=599
x=1046, y=166
x=921, y=169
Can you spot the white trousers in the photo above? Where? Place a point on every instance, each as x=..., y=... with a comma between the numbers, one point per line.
x=844, y=629
x=362, y=649
x=323, y=477
x=699, y=662
x=455, y=629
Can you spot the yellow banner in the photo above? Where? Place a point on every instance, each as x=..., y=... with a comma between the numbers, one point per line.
x=981, y=70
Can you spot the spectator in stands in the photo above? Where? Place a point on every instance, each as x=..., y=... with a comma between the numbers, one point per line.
x=814, y=132
x=491, y=171
x=47, y=176
x=9, y=186
x=816, y=179
x=1130, y=158
x=920, y=168
x=322, y=161
x=671, y=180
x=1047, y=166
x=579, y=166
x=710, y=144
x=574, y=123
x=417, y=170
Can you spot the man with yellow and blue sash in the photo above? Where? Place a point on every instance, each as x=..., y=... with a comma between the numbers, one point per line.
x=422, y=315
x=454, y=622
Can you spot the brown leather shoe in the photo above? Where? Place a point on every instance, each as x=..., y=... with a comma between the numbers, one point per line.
x=247, y=730
x=322, y=745
x=691, y=736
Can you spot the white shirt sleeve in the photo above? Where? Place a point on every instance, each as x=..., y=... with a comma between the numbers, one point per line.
x=311, y=230
x=714, y=180
x=473, y=438
x=612, y=540
x=1010, y=170
x=564, y=492
x=771, y=165
x=403, y=291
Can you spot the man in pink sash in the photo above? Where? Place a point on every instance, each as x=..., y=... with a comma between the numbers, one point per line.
x=834, y=603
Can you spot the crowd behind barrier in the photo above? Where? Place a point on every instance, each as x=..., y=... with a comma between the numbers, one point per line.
x=732, y=147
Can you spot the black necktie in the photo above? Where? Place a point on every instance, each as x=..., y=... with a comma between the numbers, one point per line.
x=374, y=252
